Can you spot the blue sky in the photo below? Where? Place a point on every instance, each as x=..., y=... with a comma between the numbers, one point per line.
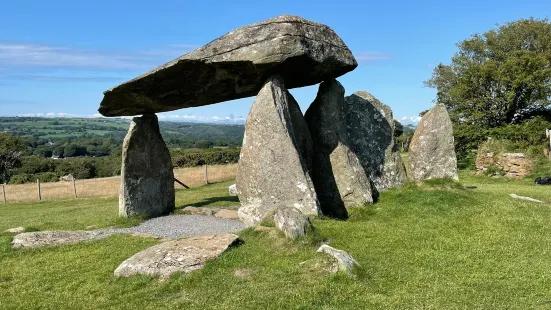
x=59, y=56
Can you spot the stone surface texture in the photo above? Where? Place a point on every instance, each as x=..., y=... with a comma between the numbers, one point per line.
x=344, y=261
x=339, y=178
x=147, y=177
x=271, y=169
x=183, y=255
x=234, y=66
x=227, y=214
x=432, y=150
x=47, y=238
x=371, y=133
x=292, y=222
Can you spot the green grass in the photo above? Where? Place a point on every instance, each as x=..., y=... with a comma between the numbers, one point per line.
x=434, y=246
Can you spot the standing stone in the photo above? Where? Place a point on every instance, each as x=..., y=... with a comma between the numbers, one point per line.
x=147, y=185
x=302, y=133
x=371, y=133
x=271, y=170
x=339, y=178
x=432, y=150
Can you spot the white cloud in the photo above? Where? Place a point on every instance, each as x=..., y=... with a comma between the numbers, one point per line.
x=368, y=57
x=410, y=120
x=37, y=55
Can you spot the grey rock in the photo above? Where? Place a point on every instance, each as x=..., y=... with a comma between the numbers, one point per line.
x=344, y=261
x=232, y=189
x=47, y=238
x=198, y=211
x=185, y=255
x=15, y=230
x=234, y=66
x=147, y=186
x=271, y=169
x=371, y=133
x=432, y=150
x=339, y=178
x=303, y=137
x=292, y=222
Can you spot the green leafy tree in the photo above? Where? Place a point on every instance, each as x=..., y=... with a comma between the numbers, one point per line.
x=12, y=148
x=500, y=77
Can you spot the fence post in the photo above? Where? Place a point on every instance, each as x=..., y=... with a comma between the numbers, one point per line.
x=4, y=192
x=75, y=188
x=38, y=185
x=206, y=174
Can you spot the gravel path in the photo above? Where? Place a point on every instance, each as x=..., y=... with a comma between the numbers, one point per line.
x=176, y=226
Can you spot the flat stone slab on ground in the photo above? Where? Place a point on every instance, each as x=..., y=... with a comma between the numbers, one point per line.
x=15, y=230
x=227, y=214
x=235, y=66
x=183, y=255
x=45, y=238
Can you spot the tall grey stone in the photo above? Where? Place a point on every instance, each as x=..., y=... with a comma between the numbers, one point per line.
x=147, y=177
x=432, y=149
x=338, y=176
x=301, y=131
x=271, y=170
x=235, y=66
x=371, y=133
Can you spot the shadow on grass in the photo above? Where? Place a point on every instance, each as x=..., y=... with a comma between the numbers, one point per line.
x=209, y=201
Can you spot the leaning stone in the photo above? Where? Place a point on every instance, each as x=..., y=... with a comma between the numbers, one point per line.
x=183, y=255
x=432, y=150
x=371, y=132
x=339, y=178
x=227, y=214
x=271, y=170
x=46, y=238
x=15, y=230
x=292, y=222
x=344, y=261
x=235, y=66
x=232, y=189
x=147, y=185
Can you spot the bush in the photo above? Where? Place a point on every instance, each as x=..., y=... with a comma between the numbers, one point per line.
x=202, y=157
x=21, y=178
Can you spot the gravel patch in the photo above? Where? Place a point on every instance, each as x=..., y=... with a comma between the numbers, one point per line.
x=177, y=226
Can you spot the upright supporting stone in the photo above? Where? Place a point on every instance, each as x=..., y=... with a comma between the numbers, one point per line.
x=147, y=184
x=432, y=149
x=338, y=176
x=371, y=133
x=272, y=171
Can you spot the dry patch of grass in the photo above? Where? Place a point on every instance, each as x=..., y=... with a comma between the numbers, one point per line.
x=109, y=187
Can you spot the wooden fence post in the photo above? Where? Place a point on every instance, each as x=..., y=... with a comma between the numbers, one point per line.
x=4, y=192
x=75, y=188
x=38, y=185
x=206, y=174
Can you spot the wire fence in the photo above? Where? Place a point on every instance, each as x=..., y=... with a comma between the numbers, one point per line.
x=108, y=187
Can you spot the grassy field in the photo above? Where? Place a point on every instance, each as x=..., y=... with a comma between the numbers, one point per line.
x=435, y=246
x=109, y=187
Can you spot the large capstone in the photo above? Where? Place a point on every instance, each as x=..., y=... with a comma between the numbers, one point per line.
x=234, y=66
x=272, y=171
x=147, y=184
x=432, y=151
x=338, y=176
x=371, y=133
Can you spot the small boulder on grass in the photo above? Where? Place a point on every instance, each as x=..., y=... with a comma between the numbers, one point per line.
x=292, y=222
x=232, y=189
x=344, y=261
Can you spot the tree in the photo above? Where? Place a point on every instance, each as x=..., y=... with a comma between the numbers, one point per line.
x=11, y=150
x=398, y=128
x=500, y=77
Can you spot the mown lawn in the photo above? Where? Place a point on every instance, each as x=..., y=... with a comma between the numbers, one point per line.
x=436, y=246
